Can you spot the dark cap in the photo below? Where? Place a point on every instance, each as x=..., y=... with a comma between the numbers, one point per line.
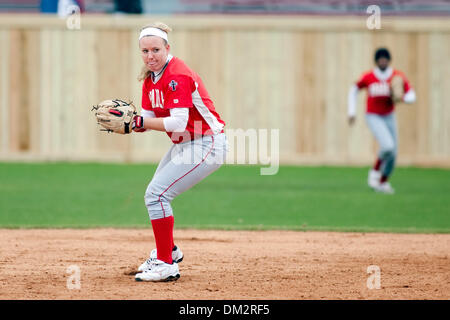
x=382, y=53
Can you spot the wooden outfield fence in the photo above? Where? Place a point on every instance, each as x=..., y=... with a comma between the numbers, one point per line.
x=290, y=73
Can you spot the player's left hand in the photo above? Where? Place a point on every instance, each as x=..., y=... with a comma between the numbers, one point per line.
x=115, y=115
x=397, y=91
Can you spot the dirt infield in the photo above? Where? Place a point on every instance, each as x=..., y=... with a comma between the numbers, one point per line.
x=225, y=265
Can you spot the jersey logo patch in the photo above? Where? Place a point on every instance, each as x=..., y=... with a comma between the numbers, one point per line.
x=173, y=85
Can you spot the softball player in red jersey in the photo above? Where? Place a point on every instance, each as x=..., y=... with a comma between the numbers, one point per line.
x=174, y=100
x=380, y=116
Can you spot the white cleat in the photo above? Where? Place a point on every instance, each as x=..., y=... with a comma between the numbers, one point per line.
x=385, y=187
x=177, y=256
x=373, y=180
x=160, y=271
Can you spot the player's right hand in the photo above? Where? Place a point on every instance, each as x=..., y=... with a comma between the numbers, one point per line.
x=138, y=124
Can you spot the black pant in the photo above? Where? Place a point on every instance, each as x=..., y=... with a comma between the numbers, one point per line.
x=128, y=6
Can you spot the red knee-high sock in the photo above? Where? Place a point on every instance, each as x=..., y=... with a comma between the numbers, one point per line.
x=377, y=164
x=163, y=231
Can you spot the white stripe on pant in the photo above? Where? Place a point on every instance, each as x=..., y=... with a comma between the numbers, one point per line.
x=183, y=166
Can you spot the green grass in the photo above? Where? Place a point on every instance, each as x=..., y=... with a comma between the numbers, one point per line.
x=235, y=197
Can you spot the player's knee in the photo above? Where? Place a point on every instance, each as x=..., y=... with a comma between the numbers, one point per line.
x=153, y=196
x=157, y=204
x=389, y=151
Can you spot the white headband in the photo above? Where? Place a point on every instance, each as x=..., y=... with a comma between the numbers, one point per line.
x=151, y=31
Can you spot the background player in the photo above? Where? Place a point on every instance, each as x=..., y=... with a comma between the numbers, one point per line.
x=380, y=116
x=174, y=100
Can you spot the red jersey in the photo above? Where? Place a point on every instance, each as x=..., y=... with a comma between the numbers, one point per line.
x=378, y=89
x=180, y=87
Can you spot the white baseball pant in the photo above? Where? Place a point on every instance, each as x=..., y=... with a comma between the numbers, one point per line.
x=183, y=166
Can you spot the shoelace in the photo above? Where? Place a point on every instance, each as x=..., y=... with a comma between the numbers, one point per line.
x=150, y=262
